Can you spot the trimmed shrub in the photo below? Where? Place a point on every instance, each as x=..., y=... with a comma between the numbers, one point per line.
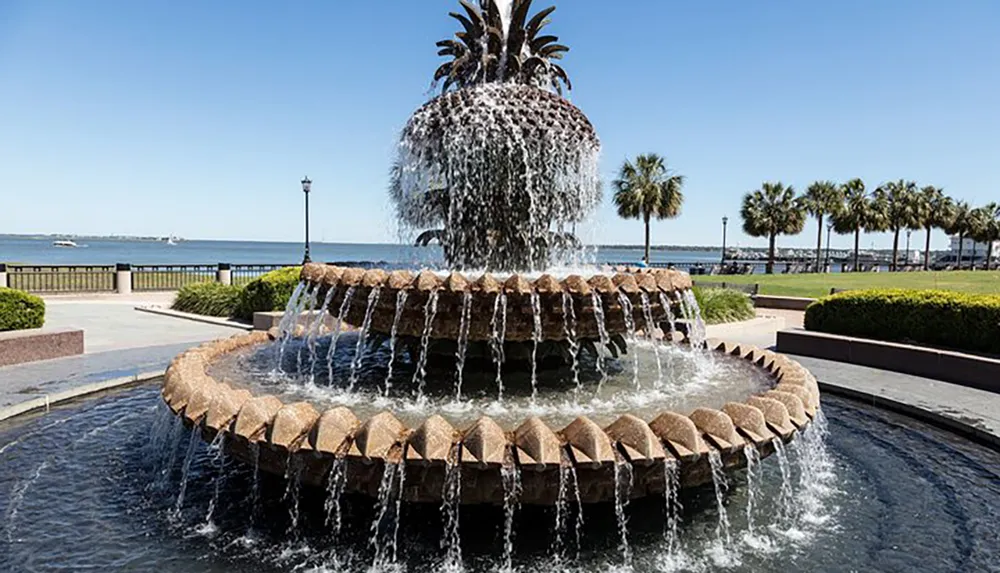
x=269, y=292
x=969, y=322
x=210, y=299
x=20, y=310
x=720, y=305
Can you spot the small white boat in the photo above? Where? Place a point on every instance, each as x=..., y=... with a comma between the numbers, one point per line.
x=65, y=243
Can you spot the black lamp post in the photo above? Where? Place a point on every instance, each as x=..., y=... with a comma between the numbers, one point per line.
x=725, y=221
x=829, y=230
x=306, y=187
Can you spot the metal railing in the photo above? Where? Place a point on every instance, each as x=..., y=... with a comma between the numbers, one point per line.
x=170, y=277
x=61, y=278
x=242, y=274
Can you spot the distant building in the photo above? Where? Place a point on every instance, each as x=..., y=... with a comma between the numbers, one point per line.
x=967, y=245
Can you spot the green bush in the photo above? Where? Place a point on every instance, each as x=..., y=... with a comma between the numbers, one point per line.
x=269, y=292
x=969, y=322
x=720, y=305
x=20, y=310
x=210, y=299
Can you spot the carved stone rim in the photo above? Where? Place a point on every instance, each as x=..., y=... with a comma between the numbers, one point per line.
x=298, y=428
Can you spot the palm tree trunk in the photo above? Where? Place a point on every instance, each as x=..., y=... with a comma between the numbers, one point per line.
x=927, y=250
x=857, y=243
x=770, y=254
x=819, y=242
x=895, y=249
x=961, y=240
x=647, y=239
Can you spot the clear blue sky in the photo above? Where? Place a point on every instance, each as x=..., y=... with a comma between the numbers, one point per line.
x=198, y=118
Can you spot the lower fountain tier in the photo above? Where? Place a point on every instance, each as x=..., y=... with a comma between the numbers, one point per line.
x=297, y=440
x=486, y=309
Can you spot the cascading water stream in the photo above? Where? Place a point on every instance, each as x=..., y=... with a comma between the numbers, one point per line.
x=786, y=495
x=336, y=480
x=193, y=442
x=562, y=508
x=451, y=497
x=569, y=328
x=623, y=490
x=383, y=543
x=400, y=305
x=359, y=350
x=510, y=476
x=288, y=322
x=498, y=328
x=753, y=486
x=420, y=375
x=345, y=305
x=310, y=309
x=314, y=330
x=462, y=343
x=672, y=504
x=626, y=305
x=536, y=339
x=579, y=508
x=218, y=447
x=647, y=313
x=721, y=487
x=602, y=332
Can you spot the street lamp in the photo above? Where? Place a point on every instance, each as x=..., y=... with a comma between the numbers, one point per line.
x=306, y=187
x=829, y=230
x=725, y=221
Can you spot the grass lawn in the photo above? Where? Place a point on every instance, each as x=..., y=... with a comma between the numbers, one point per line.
x=815, y=285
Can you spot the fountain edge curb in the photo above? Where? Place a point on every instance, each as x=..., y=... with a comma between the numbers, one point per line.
x=46, y=401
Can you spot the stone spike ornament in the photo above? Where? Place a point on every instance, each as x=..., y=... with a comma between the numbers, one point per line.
x=314, y=439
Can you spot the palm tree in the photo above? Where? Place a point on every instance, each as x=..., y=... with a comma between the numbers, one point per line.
x=860, y=212
x=958, y=224
x=770, y=211
x=646, y=189
x=822, y=198
x=896, y=199
x=989, y=232
x=481, y=53
x=931, y=209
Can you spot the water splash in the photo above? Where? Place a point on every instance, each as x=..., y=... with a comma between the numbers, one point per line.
x=400, y=305
x=623, y=491
x=462, y=343
x=359, y=349
x=420, y=375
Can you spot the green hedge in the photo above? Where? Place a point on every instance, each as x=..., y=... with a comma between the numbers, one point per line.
x=720, y=305
x=20, y=310
x=210, y=299
x=968, y=322
x=269, y=292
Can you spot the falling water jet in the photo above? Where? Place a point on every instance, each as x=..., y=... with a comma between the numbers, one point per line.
x=359, y=349
x=293, y=470
x=626, y=305
x=672, y=504
x=385, y=502
x=463, y=343
x=562, y=507
x=602, y=332
x=536, y=338
x=314, y=330
x=579, y=508
x=451, y=496
x=311, y=308
x=334, y=490
x=785, y=493
x=345, y=305
x=498, y=327
x=510, y=476
x=287, y=323
x=255, y=501
x=185, y=469
x=647, y=313
x=753, y=485
x=400, y=305
x=218, y=446
x=169, y=456
x=623, y=489
x=569, y=328
x=420, y=375
x=721, y=486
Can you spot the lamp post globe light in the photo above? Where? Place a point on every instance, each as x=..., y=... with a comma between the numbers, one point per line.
x=725, y=221
x=306, y=188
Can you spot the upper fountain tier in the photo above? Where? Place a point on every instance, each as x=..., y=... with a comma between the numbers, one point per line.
x=502, y=167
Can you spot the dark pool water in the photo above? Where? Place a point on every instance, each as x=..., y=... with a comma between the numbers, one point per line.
x=94, y=487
